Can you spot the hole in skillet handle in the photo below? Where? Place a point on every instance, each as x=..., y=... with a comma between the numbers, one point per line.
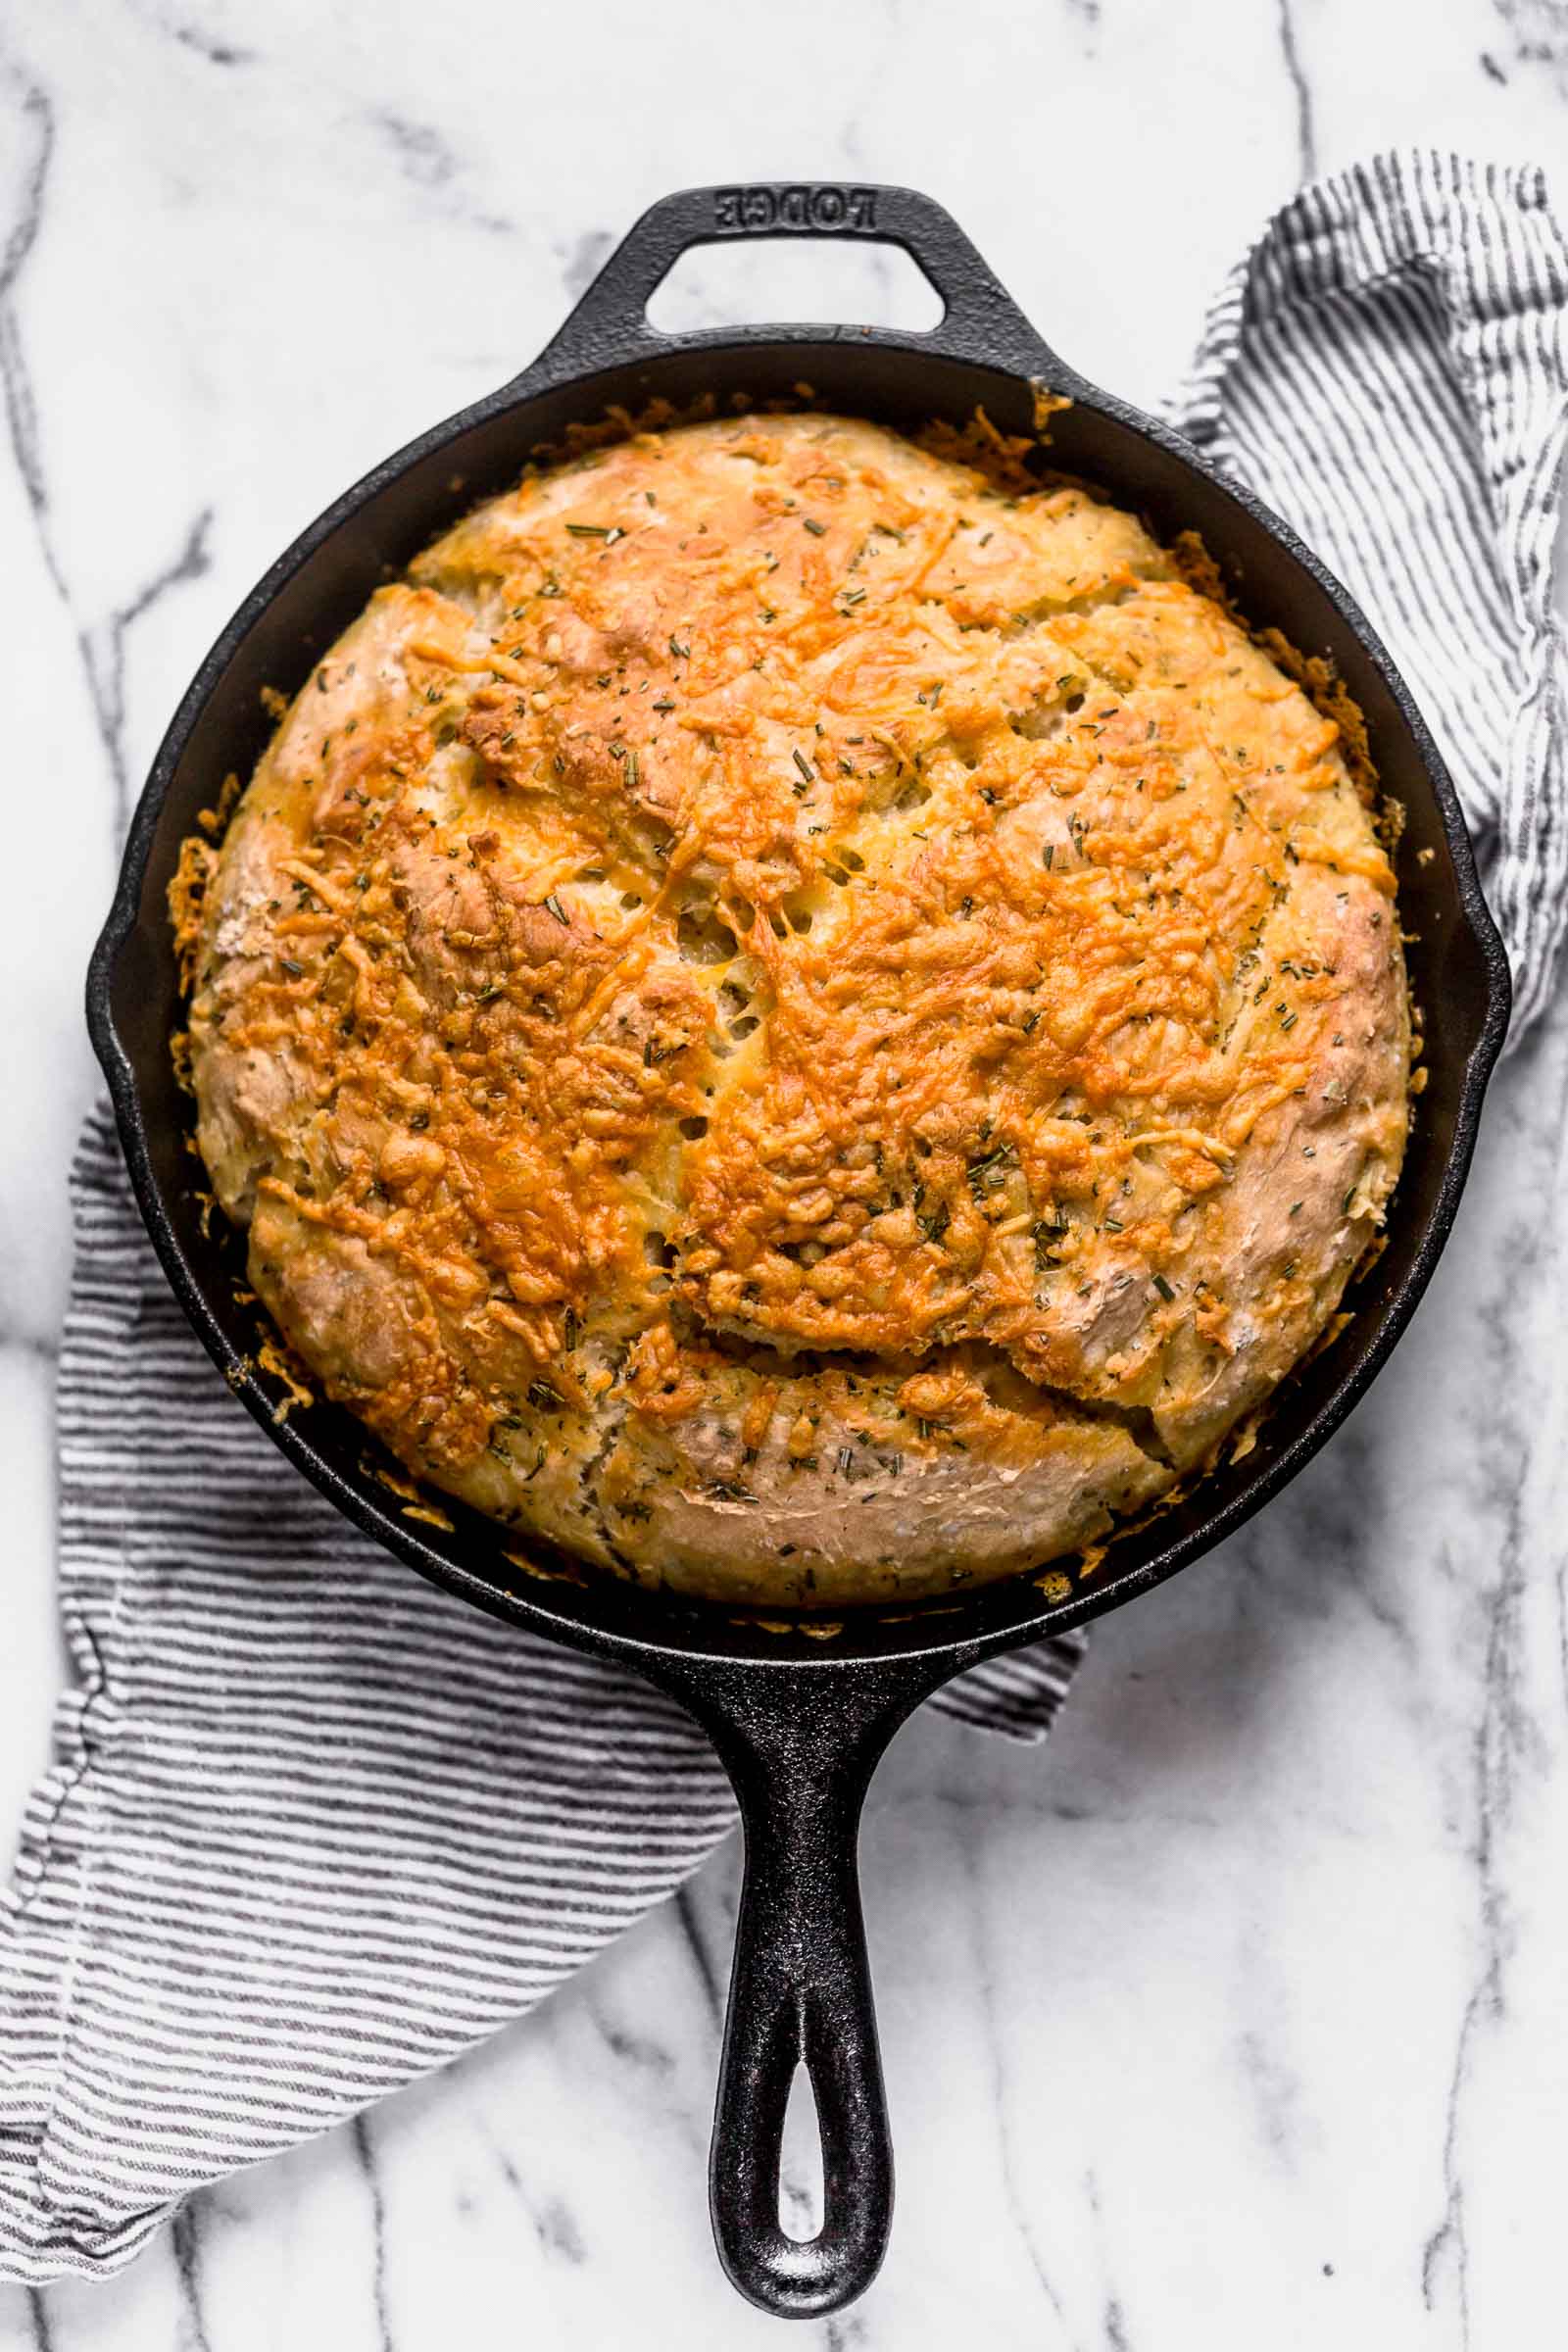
x=856, y=282
x=800, y=2177
x=800, y=1743
x=980, y=320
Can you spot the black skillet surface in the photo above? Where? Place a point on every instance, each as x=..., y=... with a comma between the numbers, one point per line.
x=799, y=1722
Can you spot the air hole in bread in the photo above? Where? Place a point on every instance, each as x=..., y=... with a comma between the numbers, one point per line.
x=1037, y=726
x=705, y=938
x=802, y=1253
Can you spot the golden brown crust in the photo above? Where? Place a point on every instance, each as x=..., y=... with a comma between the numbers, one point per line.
x=799, y=1022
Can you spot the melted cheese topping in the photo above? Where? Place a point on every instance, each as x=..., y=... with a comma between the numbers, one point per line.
x=799, y=1020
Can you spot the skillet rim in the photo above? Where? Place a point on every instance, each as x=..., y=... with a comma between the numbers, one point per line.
x=652, y=1636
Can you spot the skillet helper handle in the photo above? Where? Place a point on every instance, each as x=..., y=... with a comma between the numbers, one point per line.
x=609, y=323
x=801, y=1754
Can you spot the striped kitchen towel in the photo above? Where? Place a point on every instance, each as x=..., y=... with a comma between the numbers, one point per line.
x=313, y=1826
x=1388, y=368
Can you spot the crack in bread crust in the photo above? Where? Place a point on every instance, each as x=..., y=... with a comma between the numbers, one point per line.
x=801, y=1022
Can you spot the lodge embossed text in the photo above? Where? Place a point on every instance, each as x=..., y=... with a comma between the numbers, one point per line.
x=739, y=212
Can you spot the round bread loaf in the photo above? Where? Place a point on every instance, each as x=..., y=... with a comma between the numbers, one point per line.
x=799, y=1020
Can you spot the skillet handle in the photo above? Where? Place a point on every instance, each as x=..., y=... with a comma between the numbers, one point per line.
x=981, y=321
x=800, y=1748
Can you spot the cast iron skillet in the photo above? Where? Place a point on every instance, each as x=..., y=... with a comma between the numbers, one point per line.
x=800, y=1721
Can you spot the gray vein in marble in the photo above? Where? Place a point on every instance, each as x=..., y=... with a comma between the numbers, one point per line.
x=505, y=2166
x=1539, y=33
x=42, y=1347
x=183, y=2244
x=39, y=144
x=640, y=2050
x=217, y=53
x=1028, y=1804
x=196, y=38
x=554, y=2224
x=1339, y=1518
x=427, y=160
x=1545, y=1130
x=656, y=2065
x=1001, y=2106
x=105, y=668
x=1493, y=1753
x=1112, y=2318
x=1447, y=2240
x=364, y=2158
x=1275, y=2091
x=556, y=2227
x=422, y=153
x=582, y=259
x=106, y=671
x=1305, y=134
x=1507, y=1735
x=707, y=1975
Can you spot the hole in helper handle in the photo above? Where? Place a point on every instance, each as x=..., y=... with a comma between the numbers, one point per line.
x=609, y=323
x=800, y=1748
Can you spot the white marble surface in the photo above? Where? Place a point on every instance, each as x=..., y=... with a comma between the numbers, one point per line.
x=1237, y=2017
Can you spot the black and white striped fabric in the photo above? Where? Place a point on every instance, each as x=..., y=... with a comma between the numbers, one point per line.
x=1388, y=368
x=293, y=1851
